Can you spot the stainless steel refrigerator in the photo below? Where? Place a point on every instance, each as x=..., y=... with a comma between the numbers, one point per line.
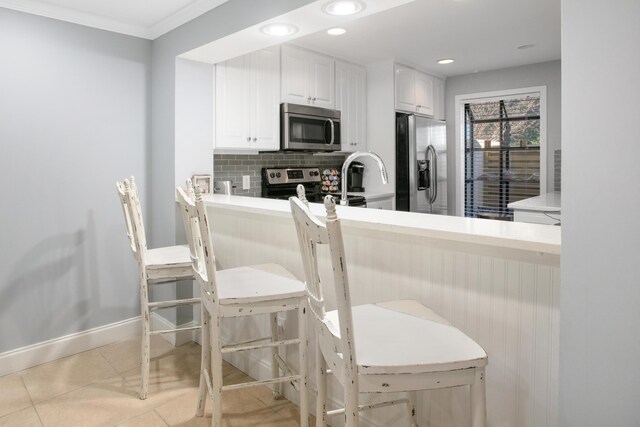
x=421, y=164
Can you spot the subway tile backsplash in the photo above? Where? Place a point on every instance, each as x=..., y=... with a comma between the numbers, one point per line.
x=234, y=166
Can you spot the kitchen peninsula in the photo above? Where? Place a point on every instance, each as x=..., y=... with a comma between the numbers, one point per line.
x=498, y=282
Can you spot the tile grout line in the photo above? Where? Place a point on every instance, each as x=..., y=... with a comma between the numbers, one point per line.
x=33, y=405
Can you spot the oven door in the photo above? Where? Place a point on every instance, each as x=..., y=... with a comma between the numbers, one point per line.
x=310, y=133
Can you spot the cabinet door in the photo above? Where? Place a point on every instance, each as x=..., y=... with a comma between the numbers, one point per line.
x=351, y=101
x=295, y=75
x=439, y=107
x=424, y=94
x=384, y=203
x=265, y=99
x=321, y=81
x=232, y=91
x=342, y=104
x=405, y=89
x=358, y=104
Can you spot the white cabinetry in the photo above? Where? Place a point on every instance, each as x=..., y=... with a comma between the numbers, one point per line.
x=439, y=104
x=414, y=91
x=351, y=101
x=248, y=101
x=307, y=78
x=380, y=202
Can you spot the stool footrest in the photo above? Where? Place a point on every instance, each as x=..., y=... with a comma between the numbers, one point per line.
x=166, y=331
x=173, y=303
x=262, y=382
x=242, y=347
x=370, y=406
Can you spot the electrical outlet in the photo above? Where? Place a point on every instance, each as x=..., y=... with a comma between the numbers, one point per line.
x=246, y=183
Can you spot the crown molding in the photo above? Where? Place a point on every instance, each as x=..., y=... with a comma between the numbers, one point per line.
x=180, y=17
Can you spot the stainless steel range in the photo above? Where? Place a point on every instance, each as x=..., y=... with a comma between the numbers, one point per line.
x=281, y=183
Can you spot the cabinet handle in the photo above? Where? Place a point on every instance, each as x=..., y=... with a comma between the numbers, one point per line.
x=255, y=139
x=309, y=99
x=418, y=106
x=248, y=139
x=314, y=100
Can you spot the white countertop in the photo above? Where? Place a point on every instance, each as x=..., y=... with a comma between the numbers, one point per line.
x=549, y=202
x=522, y=236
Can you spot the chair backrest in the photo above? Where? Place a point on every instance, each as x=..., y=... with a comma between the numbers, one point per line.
x=196, y=222
x=186, y=199
x=312, y=232
x=130, y=201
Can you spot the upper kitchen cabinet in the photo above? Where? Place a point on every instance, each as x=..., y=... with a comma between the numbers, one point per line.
x=307, y=78
x=439, y=105
x=247, y=102
x=351, y=101
x=414, y=91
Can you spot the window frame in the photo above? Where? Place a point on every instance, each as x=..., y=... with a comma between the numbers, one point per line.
x=460, y=100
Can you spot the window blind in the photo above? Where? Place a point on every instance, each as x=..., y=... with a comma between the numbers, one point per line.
x=502, y=155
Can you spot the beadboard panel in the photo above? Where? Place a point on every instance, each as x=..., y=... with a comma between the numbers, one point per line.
x=508, y=305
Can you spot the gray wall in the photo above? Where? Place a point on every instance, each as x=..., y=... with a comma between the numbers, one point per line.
x=600, y=292
x=542, y=74
x=74, y=118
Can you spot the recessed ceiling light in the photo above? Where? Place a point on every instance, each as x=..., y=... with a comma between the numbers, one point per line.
x=445, y=61
x=279, y=30
x=526, y=46
x=336, y=31
x=343, y=7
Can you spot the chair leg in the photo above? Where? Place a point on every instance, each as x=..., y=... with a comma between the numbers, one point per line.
x=205, y=358
x=303, y=369
x=146, y=333
x=275, y=369
x=413, y=408
x=321, y=381
x=478, y=400
x=216, y=373
x=351, y=411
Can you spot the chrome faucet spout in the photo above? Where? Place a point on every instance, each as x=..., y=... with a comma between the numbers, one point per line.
x=347, y=163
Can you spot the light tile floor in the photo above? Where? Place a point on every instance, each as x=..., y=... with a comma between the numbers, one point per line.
x=100, y=388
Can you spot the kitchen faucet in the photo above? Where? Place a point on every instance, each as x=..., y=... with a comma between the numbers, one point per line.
x=347, y=163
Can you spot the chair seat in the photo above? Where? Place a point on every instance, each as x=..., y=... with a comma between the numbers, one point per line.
x=407, y=337
x=265, y=282
x=169, y=256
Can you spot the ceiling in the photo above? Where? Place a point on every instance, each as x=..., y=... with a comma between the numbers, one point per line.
x=141, y=18
x=480, y=35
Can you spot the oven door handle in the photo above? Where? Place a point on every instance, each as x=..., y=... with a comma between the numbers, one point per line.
x=333, y=132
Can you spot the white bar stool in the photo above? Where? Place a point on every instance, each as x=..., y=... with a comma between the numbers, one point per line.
x=237, y=292
x=159, y=265
x=396, y=346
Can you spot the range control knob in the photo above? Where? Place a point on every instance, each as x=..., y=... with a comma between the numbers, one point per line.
x=272, y=175
x=278, y=175
x=316, y=173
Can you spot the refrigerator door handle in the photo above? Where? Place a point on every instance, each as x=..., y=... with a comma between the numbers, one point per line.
x=432, y=157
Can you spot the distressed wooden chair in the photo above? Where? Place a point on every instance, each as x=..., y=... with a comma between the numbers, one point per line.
x=396, y=346
x=237, y=292
x=159, y=265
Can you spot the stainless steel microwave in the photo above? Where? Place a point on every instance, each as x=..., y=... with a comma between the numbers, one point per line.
x=305, y=128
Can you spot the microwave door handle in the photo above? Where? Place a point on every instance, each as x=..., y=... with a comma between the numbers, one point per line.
x=333, y=132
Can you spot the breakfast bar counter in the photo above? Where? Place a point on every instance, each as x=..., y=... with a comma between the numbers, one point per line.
x=498, y=282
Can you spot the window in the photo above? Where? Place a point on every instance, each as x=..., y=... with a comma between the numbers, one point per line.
x=502, y=154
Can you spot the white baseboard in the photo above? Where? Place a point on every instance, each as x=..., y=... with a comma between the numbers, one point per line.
x=47, y=351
